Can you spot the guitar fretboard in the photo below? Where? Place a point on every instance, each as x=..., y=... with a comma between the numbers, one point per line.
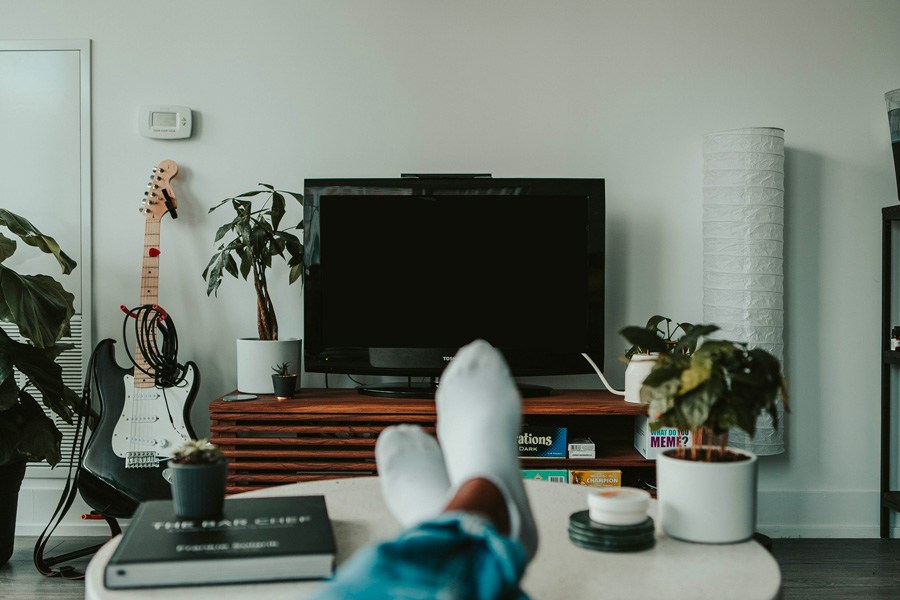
x=149, y=295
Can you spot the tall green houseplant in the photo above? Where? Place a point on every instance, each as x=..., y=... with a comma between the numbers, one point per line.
x=257, y=239
x=41, y=310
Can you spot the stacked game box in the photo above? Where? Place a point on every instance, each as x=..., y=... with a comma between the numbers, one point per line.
x=542, y=442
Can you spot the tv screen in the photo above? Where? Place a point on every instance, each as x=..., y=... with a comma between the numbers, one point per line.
x=402, y=272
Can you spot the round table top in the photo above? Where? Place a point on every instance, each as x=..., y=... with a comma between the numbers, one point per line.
x=671, y=569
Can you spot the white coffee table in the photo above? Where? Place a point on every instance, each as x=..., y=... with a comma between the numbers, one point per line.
x=671, y=569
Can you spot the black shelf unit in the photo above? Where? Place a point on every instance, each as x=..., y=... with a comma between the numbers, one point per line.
x=890, y=498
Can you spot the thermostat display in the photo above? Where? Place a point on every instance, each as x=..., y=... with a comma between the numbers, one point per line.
x=165, y=122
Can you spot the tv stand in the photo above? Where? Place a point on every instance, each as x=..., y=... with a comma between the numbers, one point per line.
x=331, y=433
x=426, y=391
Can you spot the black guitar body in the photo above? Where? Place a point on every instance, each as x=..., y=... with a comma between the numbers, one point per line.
x=104, y=481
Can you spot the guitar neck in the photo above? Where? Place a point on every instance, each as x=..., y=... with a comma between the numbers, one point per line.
x=149, y=295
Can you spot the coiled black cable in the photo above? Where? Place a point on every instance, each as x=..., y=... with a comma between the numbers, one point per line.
x=162, y=362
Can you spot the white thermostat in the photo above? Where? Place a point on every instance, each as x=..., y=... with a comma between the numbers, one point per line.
x=165, y=122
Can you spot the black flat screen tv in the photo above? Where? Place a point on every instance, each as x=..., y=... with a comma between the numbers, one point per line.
x=400, y=273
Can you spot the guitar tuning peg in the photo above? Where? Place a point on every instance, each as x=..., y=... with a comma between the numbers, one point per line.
x=142, y=210
x=145, y=193
x=154, y=169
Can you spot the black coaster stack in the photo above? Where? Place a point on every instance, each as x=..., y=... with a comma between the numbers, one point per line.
x=610, y=538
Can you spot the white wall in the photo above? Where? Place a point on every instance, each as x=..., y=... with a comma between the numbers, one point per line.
x=285, y=90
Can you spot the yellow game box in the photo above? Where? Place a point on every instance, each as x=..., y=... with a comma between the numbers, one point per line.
x=592, y=478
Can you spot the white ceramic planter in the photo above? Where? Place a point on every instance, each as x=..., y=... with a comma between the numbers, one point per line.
x=255, y=359
x=713, y=503
x=639, y=366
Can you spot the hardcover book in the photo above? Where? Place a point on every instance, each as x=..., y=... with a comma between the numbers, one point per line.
x=256, y=539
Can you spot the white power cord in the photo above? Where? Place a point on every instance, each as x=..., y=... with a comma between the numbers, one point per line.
x=602, y=378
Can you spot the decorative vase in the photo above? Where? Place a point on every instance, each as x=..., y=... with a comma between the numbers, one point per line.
x=198, y=491
x=11, y=475
x=639, y=366
x=284, y=385
x=707, y=502
x=255, y=359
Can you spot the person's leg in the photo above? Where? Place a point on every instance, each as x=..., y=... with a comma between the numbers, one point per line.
x=459, y=555
x=479, y=418
x=481, y=497
x=411, y=470
x=483, y=540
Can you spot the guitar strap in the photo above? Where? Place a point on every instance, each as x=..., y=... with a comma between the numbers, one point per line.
x=70, y=491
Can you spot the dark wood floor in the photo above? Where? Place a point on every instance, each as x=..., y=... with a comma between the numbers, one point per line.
x=814, y=569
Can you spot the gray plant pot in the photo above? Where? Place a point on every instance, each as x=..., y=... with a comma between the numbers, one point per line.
x=11, y=476
x=284, y=385
x=198, y=491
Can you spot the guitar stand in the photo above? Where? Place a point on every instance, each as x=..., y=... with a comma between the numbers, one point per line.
x=45, y=565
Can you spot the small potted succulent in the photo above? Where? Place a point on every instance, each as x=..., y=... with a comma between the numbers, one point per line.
x=649, y=342
x=284, y=380
x=199, y=471
x=707, y=491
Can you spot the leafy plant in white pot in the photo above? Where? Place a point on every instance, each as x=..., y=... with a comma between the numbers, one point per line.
x=257, y=239
x=707, y=492
x=649, y=342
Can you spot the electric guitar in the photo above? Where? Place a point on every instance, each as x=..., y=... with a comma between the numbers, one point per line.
x=141, y=423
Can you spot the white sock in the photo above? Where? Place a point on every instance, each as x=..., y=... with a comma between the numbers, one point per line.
x=411, y=469
x=479, y=419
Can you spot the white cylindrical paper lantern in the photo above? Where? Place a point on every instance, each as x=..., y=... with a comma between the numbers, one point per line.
x=743, y=239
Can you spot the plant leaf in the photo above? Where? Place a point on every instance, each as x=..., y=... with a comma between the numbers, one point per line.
x=7, y=247
x=295, y=195
x=692, y=334
x=39, y=306
x=644, y=340
x=29, y=234
x=296, y=273
x=40, y=439
x=221, y=231
x=39, y=366
x=9, y=390
x=277, y=209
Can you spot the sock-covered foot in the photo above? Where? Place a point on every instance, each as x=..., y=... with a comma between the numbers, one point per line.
x=411, y=469
x=479, y=417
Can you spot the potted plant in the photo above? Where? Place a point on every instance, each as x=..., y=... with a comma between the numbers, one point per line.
x=40, y=309
x=707, y=492
x=199, y=471
x=257, y=237
x=284, y=381
x=648, y=342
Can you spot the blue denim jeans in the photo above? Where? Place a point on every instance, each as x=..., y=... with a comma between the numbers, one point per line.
x=455, y=556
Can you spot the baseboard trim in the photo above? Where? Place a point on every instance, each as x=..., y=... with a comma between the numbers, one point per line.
x=821, y=514
x=38, y=500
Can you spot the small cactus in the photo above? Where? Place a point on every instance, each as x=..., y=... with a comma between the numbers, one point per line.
x=282, y=368
x=198, y=452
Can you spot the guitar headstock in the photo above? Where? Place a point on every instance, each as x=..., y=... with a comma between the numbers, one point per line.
x=159, y=198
